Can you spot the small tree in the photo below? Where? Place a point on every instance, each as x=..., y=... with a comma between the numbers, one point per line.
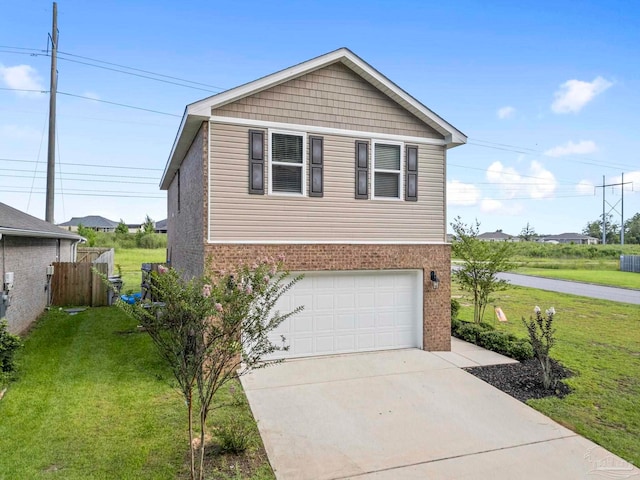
x=206, y=328
x=541, y=336
x=87, y=233
x=149, y=226
x=122, y=229
x=481, y=262
x=528, y=233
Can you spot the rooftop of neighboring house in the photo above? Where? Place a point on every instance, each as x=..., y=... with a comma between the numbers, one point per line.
x=17, y=223
x=90, y=221
x=497, y=235
x=566, y=236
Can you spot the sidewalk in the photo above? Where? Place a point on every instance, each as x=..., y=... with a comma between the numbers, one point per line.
x=464, y=354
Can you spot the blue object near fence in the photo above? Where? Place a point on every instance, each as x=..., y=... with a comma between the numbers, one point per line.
x=131, y=299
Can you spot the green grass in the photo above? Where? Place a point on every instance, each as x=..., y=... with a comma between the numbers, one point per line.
x=93, y=400
x=601, y=277
x=131, y=260
x=600, y=342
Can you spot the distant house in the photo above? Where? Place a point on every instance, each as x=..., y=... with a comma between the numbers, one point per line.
x=134, y=227
x=576, y=238
x=94, y=222
x=161, y=226
x=498, y=236
x=28, y=246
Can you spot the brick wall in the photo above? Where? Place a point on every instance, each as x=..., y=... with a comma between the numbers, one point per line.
x=28, y=259
x=185, y=225
x=318, y=257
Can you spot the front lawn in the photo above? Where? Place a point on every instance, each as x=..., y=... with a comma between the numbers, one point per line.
x=93, y=400
x=600, y=342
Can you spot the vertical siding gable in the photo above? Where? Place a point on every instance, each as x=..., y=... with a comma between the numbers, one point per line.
x=334, y=97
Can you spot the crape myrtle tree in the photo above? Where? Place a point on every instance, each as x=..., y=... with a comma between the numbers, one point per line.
x=481, y=262
x=212, y=329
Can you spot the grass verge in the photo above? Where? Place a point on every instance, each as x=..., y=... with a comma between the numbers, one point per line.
x=599, y=277
x=93, y=400
x=600, y=342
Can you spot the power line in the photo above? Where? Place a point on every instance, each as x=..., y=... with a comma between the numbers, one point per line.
x=84, y=165
x=91, y=194
x=84, y=174
x=64, y=177
x=158, y=195
x=118, y=104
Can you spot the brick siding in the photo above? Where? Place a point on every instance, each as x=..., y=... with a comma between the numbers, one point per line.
x=186, y=228
x=323, y=257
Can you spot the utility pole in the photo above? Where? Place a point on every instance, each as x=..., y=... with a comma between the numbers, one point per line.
x=51, y=156
x=621, y=184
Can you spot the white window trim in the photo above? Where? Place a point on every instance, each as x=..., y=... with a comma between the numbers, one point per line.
x=304, y=162
x=373, y=171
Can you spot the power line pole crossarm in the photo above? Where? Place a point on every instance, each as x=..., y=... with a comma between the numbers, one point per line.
x=51, y=154
x=620, y=184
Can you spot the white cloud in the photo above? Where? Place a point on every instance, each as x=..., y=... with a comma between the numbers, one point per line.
x=91, y=95
x=583, y=147
x=537, y=183
x=464, y=194
x=543, y=184
x=506, y=112
x=633, y=177
x=585, y=187
x=22, y=77
x=490, y=205
x=575, y=94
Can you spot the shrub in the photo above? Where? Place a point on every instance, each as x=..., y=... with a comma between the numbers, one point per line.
x=541, y=336
x=234, y=434
x=486, y=336
x=151, y=240
x=455, y=308
x=9, y=343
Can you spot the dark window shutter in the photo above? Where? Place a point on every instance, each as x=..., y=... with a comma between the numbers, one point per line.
x=411, y=185
x=362, y=170
x=256, y=162
x=316, y=166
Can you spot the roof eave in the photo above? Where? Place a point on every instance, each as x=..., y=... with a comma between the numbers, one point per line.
x=19, y=232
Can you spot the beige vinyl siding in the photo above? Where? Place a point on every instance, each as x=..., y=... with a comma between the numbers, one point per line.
x=338, y=216
x=334, y=97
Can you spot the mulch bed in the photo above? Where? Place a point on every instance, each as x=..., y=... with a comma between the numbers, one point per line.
x=523, y=380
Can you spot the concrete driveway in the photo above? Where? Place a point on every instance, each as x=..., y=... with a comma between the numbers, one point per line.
x=409, y=414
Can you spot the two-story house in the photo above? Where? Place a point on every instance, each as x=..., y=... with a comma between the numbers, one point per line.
x=334, y=166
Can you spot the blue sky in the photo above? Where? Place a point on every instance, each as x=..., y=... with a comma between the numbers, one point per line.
x=548, y=93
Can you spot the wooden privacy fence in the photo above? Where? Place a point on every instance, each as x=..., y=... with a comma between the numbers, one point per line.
x=77, y=284
x=630, y=263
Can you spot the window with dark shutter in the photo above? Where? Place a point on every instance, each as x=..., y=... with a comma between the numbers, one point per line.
x=287, y=163
x=362, y=170
x=256, y=162
x=316, y=153
x=411, y=186
x=386, y=170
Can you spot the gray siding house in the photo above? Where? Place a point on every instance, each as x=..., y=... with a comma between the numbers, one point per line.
x=28, y=246
x=334, y=166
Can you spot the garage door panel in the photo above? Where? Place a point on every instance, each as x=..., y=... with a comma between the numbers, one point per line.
x=350, y=312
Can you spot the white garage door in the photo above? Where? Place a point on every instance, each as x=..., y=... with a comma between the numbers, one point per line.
x=352, y=312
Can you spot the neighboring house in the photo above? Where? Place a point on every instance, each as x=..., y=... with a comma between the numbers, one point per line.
x=161, y=226
x=94, y=222
x=28, y=246
x=334, y=166
x=498, y=236
x=134, y=227
x=576, y=238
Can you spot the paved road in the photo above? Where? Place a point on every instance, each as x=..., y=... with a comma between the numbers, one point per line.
x=575, y=288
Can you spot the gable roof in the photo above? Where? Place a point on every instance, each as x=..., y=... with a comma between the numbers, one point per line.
x=90, y=221
x=200, y=111
x=495, y=235
x=568, y=236
x=16, y=223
